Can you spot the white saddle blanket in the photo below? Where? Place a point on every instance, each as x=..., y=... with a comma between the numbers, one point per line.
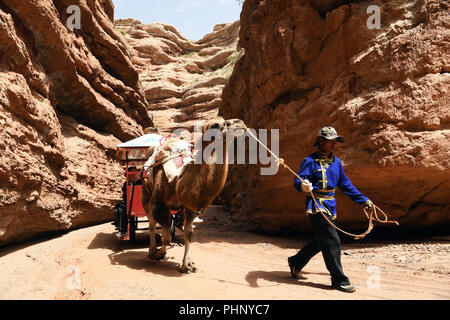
x=179, y=154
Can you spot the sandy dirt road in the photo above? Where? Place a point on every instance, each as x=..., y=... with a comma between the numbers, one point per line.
x=91, y=263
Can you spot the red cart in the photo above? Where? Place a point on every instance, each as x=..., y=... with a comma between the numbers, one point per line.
x=132, y=155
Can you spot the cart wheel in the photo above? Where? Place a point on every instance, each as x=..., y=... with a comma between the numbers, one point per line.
x=133, y=227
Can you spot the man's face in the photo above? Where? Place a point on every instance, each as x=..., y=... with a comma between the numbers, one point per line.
x=327, y=146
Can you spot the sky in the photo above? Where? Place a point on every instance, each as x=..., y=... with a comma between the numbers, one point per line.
x=193, y=18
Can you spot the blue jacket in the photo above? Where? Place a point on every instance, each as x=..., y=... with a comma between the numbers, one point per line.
x=326, y=174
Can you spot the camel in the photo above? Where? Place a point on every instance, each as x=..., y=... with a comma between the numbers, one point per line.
x=194, y=191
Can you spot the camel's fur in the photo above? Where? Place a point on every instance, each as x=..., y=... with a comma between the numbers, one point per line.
x=195, y=190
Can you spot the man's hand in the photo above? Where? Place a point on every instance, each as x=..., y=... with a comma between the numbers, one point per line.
x=368, y=204
x=306, y=186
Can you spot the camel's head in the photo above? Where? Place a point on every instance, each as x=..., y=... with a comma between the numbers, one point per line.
x=237, y=126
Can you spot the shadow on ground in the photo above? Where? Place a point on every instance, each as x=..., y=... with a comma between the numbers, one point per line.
x=110, y=241
x=123, y=252
x=283, y=277
x=138, y=260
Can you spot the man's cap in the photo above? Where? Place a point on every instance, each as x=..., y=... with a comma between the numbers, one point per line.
x=330, y=134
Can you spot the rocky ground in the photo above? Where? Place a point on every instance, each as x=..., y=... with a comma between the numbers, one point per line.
x=91, y=263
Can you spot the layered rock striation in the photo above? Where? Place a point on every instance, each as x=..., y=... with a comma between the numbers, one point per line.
x=182, y=79
x=309, y=64
x=67, y=98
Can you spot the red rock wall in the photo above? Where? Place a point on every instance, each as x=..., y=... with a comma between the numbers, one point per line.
x=182, y=79
x=308, y=64
x=67, y=98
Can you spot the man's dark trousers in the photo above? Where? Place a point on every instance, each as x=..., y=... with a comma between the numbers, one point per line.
x=326, y=240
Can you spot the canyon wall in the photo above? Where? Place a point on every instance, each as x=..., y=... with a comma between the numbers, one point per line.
x=182, y=79
x=67, y=98
x=310, y=64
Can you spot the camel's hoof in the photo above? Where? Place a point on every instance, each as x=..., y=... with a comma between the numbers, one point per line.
x=183, y=269
x=151, y=256
x=187, y=269
x=157, y=255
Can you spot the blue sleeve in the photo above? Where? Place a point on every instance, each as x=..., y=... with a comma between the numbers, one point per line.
x=347, y=187
x=304, y=172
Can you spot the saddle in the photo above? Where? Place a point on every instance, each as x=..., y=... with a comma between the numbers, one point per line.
x=173, y=155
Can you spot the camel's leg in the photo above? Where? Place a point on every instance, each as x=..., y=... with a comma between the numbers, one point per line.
x=165, y=239
x=187, y=264
x=152, y=230
x=160, y=214
x=149, y=212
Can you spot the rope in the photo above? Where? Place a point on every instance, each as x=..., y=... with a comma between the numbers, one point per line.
x=372, y=215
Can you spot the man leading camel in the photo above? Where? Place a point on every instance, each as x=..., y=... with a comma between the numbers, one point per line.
x=322, y=173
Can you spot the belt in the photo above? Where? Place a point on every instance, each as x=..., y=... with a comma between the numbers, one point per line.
x=323, y=196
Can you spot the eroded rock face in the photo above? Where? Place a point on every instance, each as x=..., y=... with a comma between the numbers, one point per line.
x=309, y=64
x=67, y=98
x=183, y=80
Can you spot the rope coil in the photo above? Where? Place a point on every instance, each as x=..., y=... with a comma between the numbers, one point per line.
x=372, y=215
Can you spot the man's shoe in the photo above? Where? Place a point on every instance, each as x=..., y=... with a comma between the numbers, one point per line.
x=345, y=287
x=294, y=271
